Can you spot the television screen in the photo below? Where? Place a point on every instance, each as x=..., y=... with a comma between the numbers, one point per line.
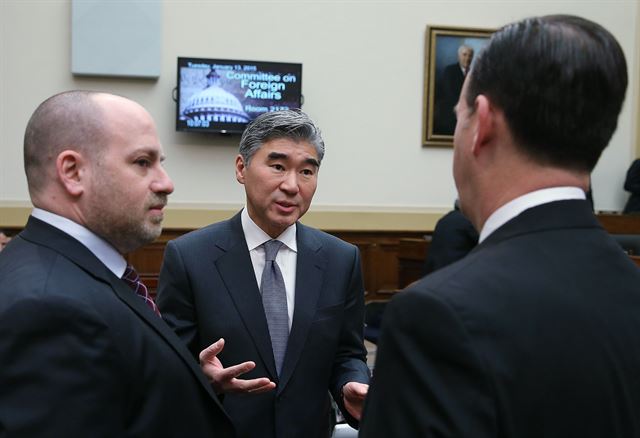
x=223, y=95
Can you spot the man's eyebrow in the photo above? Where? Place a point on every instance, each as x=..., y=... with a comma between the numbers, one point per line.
x=312, y=161
x=282, y=156
x=277, y=156
x=150, y=151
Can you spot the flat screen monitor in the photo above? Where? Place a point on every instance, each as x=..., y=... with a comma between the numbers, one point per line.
x=224, y=95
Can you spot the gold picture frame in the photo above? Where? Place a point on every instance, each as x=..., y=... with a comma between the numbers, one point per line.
x=442, y=80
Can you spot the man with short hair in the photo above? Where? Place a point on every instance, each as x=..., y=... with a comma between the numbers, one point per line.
x=285, y=301
x=536, y=332
x=82, y=348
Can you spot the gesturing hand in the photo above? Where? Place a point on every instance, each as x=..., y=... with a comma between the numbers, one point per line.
x=353, y=395
x=225, y=379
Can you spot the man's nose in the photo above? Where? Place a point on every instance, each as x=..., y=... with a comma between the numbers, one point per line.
x=163, y=184
x=289, y=182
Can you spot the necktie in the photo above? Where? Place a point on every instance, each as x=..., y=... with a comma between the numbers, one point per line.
x=133, y=280
x=274, y=300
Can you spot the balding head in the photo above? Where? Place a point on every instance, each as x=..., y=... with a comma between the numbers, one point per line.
x=95, y=159
x=71, y=120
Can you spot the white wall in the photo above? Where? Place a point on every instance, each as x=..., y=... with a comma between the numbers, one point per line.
x=362, y=82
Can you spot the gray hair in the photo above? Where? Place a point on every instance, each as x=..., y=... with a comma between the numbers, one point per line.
x=463, y=47
x=291, y=124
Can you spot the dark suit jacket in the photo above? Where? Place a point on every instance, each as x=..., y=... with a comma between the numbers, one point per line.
x=632, y=184
x=536, y=333
x=452, y=239
x=208, y=290
x=446, y=98
x=81, y=355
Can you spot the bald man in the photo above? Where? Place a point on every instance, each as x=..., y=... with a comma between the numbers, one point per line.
x=82, y=352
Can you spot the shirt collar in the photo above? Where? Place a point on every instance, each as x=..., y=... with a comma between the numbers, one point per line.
x=255, y=236
x=532, y=199
x=106, y=253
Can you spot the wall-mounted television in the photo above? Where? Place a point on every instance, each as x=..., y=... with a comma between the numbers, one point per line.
x=224, y=95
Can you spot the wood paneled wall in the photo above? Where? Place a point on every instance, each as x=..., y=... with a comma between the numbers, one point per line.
x=620, y=223
x=390, y=259
x=378, y=249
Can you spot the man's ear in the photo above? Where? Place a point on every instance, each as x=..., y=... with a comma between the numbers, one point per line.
x=70, y=168
x=240, y=168
x=485, y=124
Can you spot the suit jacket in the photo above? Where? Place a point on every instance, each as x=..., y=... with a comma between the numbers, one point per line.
x=632, y=184
x=453, y=238
x=446, y=98
x=536, y=333
x=82, y=355
x=208, y=290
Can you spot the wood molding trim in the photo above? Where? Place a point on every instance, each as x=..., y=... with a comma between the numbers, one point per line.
x=391, y=259
x=178, y=217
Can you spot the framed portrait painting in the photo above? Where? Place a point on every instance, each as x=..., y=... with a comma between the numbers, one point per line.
x=449, y=54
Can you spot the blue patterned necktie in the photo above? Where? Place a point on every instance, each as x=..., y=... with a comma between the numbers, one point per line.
x=131, y=277
x=274, y=300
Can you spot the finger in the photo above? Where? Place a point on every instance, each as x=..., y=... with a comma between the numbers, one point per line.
x=361, y=390
x=258, y=386
x=211, y=351
x=261, y=384
x=354, y=409
x=266, y=388
x=355, y=391
x=235, y=370
x=354, y=398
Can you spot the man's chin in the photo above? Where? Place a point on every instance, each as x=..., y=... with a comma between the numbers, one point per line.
x=285, y=221
x=276, y=226
x=148, y=233
x=154, y=231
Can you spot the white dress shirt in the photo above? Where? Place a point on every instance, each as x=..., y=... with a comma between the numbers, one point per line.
x=106, y=253
x=286, y=259
x=532, y=199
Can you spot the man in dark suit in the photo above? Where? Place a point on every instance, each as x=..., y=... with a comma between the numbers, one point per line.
x=448, y=91
x=632, y=184
x=212, y=286
x=453, y=237
x=536, y=332
x=82, y=354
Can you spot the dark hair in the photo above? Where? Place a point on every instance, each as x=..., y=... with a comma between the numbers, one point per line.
x=291, y=124
x=560, y=81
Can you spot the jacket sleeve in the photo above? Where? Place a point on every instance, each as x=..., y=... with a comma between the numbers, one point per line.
x=175, y=298
x=428, y=381
x=60, y=372
x=350, y=360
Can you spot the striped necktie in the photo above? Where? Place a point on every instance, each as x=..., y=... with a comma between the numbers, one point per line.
x=132, y=278
x=274, y=300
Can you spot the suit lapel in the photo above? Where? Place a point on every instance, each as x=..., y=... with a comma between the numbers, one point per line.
x=236, y=270
x=44, y=234
x=124, y=292
x=310, y=272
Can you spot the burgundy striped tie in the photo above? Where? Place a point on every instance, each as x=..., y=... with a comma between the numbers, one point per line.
x=132, y=278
